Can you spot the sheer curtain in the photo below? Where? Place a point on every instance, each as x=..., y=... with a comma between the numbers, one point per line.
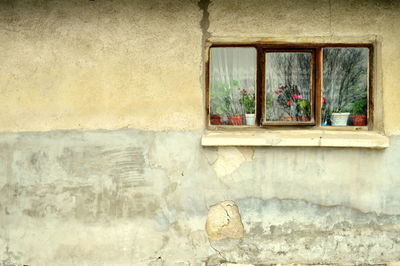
x=230, y=64
x=235, y=68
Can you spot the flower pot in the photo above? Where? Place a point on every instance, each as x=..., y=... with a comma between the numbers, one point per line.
x=236, y=120
x=359, y=120
x=339, y=119
x=304, y=118
x=250, y=119
x=288, y=118
x=216, y=119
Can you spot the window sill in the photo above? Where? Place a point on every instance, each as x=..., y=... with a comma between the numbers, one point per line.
x=296, y=138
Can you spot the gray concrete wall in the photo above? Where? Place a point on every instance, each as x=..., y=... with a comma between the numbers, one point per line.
x=76, y=189
x=133, y=197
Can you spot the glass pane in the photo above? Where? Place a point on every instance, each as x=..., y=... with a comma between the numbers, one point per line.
x=232, y=86
x=345, y=86
x=288, y=87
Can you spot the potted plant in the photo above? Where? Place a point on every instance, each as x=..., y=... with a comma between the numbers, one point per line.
x=293, y=104
x=220, y=103
x=288, y=98
x=359, y=113
x=235, y=116
x=233, y=105
x=247, y=102
x=340, y=116
x=303, y=110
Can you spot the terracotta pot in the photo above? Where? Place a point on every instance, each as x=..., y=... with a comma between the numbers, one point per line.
x=288, y=118
x=359, y=120
x=216, y=119
x=236, y=120
x=304, y=118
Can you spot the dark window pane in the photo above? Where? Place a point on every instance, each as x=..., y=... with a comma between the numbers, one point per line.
x=232, y=86
x=288, y=86
x=345, y=86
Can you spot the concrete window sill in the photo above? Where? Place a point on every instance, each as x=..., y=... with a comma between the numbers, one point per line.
x=296, y=138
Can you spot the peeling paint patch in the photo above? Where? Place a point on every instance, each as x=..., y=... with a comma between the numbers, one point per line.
x=224, y=221
x=230, y=159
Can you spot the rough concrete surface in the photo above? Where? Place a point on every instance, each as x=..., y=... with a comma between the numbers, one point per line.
x=134, y=197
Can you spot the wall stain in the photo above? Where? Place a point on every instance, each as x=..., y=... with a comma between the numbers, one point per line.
x=126, y=165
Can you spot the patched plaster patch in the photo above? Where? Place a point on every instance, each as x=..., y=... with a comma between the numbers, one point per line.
x=230, y=159
x=224, y=221
x=211, y=154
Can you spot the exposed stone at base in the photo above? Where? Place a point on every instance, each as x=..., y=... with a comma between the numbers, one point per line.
x=224, y=221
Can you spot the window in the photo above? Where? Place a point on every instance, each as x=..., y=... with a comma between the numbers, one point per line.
x=325, y=86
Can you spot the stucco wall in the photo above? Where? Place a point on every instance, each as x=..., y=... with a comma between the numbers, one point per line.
x=100, y=64
x=141, y=196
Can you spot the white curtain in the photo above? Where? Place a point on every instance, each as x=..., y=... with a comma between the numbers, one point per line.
x=234, y=64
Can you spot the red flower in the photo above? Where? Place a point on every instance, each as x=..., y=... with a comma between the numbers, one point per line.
x=324, y=100
x=297, y=96
x=278, y=91
x=289, y=102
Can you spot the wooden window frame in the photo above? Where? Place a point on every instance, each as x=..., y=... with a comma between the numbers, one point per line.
x=317, y=78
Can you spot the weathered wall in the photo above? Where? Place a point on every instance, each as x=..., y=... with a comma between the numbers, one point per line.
x=129, y=197
x=141, y=196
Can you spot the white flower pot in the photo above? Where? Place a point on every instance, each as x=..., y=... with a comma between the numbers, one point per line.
x=250, y=119
x=339, y=119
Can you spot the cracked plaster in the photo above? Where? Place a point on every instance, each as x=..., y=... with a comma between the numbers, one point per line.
x=152, y=199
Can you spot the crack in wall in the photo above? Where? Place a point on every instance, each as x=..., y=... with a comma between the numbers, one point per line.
x=204, y=25
x=205, y=20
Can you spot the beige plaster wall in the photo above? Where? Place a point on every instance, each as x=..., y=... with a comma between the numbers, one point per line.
x=138, y=64
x=100, y=64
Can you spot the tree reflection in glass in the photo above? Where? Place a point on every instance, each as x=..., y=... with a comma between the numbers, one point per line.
x=288, y=86
x=345, y=86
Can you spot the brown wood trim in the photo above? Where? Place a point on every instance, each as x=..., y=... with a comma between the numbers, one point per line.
x=293, y=123
x=207, y=91
x=260, y=101
x=232, y=127
x=370, y=105
x=290, y=45
x=233, y=45
x=346, y=45
x=289, y=50
x=313, y=85
x=318, y=86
